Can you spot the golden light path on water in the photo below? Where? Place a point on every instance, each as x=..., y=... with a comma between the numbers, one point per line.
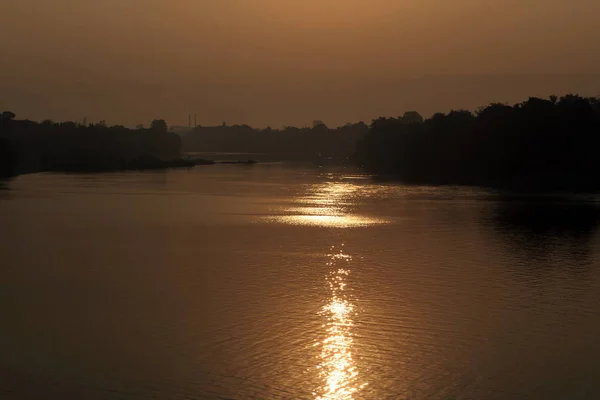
x=327, y=205
x=337, y=369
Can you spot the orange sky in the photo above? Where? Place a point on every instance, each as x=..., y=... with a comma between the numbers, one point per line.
x=275, y=62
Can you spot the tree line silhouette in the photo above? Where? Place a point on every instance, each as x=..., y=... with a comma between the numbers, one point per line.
x=538, y=144
x=290, y=143
x=28, y=146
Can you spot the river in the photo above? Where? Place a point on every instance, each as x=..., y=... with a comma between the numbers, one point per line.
x=278, y=281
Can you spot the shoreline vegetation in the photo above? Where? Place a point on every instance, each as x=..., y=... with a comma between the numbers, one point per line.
x=317, y=143
x=539, y=145
x=536, y=145
x=28, y=147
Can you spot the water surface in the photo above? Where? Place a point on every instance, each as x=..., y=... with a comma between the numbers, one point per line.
x=273, y=282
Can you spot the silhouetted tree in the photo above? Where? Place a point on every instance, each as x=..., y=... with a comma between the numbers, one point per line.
x=68, y=146
x=6, y=119
x=537, y=144
x=412, y=117
x=290, y=143
x=7, y=115
x=159, y=125
x=7, y=160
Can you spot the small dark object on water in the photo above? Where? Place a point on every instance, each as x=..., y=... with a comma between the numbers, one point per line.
x=248, y=162
x=200, y=162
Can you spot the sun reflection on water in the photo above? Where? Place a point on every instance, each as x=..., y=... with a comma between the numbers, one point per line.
x=328, y=204
x=337, y=368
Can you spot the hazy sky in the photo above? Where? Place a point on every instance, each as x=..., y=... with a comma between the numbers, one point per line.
x=288, y=62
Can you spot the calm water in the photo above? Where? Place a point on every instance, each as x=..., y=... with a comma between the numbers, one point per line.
x=273, y=282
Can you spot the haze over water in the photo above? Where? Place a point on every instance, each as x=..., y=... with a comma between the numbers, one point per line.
x=283, y=282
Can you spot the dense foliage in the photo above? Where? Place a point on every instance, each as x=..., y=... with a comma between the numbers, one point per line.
x=289, y=143
x=538, y=144
x=7, y=161
x=68, y=146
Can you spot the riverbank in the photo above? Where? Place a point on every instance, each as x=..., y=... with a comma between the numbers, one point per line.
x=537, y=145
x=141, y=164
